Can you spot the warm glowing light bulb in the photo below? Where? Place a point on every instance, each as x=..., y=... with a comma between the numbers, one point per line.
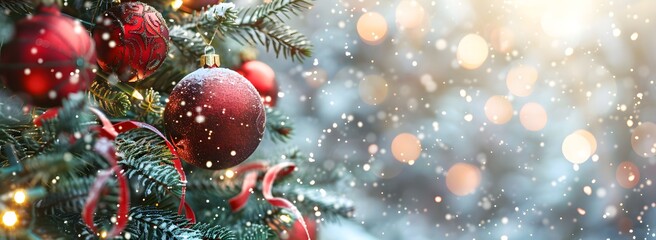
x=137, y=95
x=229, y=173
x=285, y=218
x=176, y=4
x=19, y=196
x=9, y=218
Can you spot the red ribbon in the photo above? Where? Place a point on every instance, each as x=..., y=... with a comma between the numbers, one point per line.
x=250, y=180
x=106, y=149
x=110, y=132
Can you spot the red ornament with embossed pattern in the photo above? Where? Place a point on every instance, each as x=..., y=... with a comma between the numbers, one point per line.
x=132, y=41
x=49, y=57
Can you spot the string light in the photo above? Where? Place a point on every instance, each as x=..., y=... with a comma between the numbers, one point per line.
x=20, y=197
x=9, y=218
x=285, y=218
x=229, y=173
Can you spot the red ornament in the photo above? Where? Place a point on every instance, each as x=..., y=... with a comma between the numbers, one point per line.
x=132, y=40
x=214, y=117
x=49, y=57
x=298, y=233
x=189, y=6
x=263, y=79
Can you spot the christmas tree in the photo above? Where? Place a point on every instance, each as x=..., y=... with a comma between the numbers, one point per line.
x=109, y=129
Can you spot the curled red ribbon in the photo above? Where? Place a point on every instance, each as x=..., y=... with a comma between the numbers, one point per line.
x=106, y=149
x=110, y=132
x=250, y=180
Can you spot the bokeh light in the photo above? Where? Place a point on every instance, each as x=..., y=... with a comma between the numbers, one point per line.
x=409, y=14
x=372, y=28
x=579, y=146
x=9, y=218
x=463, y=179
x=406, y=147
x=472, y=51
x=520, y=80
x=373, y=89
x=643, y=139
x=533, y=116
x=498, y=109
x=627, y=174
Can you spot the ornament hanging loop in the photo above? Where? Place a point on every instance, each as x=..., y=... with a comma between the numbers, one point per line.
x=210, y=59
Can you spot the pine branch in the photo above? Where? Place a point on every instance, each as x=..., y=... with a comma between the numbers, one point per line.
x=310, y=200
x=264, y=24
x=214, y=231
x=188, y=42
x=257, y=232
x=152, y=223
x=16, y=127
x=150, y=109
x=217, y=19
x=165, y=78
x=156, y=179
x=70, y=194
x=279, y=10
x=148, y=161
x=113, y=102
x=278, y=125
x=274, y=36
x=19, y=6
x=141, y=143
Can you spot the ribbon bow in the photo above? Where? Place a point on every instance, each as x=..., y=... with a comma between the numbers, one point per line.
x=252, y=171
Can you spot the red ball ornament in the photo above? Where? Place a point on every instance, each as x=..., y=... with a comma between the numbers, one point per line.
x=298, y=233
x=132, y=41
x=263, y=79
x=189, y=6
x=49, y=57
x=214, y=117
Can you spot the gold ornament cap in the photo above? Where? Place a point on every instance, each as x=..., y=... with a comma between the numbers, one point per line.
x=210, y=59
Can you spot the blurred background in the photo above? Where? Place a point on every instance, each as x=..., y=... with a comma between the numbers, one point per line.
x=500, y=119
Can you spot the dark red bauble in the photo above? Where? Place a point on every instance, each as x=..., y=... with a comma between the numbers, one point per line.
x=215, y=118
x=132, y=41
x=263, y=79
x=49, y=57
x=189, y=6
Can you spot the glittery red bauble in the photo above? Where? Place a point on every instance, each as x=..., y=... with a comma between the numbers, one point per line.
x=263, y=79
x=215, y=118
x=132, y=41
x=49, y=57
x=190, y=6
